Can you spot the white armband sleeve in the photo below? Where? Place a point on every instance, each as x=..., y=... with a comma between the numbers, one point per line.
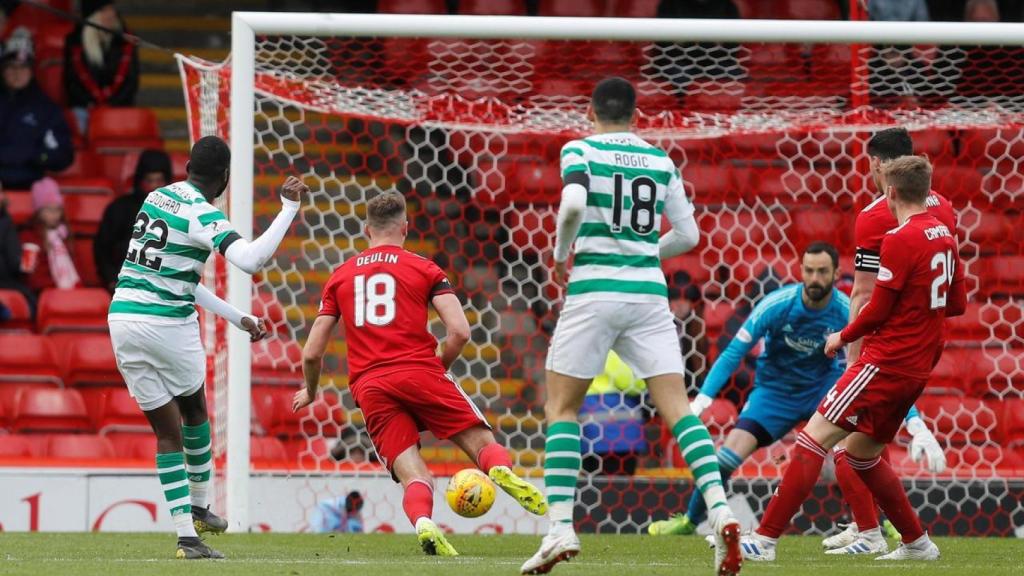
x=682, y=238
x=209, y=301
x=570, y=217
x=251, y=256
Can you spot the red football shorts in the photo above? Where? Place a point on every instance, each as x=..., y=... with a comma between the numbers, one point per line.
x=870, y=401
x=398, y=405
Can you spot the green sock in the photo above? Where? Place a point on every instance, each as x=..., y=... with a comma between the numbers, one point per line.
x=562, y=462
x=699, y=452
x=171, y=470
x=198, y=461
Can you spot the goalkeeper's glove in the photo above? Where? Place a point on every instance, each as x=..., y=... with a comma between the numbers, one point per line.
x=700, y=404
x=925, y=444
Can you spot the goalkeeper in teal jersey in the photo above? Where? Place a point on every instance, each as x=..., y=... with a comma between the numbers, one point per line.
x=155, y=331
x=791, y=378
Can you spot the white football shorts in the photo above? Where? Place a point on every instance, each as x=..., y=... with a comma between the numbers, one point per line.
x=642, y=334
x=158, y=361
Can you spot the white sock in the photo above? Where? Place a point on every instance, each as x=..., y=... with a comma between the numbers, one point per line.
x=921, y=542
x=560, y=514
x=183, y=524
x=873, y=534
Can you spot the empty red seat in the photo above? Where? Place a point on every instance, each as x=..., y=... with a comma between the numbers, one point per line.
x=587, y=8
x=89, y=360
x=277, y=361
x=79, y=446
x=85, y=211
x=85, y=261
x=22, y=446
x=957, y=419
x=49, y=410
x=120, y=413
x=90, y=185
x=1011, y=421
x=412, y=7
x=87, y=164
x=123, y=129
x=720, y=416
x=937, y=144
x=493, y=7
x=959, y=184
x=813, y=224
x=712, y=183
x=133, y=445
x=634, y=8
x=266, y=451
x=1003, y=275
x=78, y=309
x=26, y=358
x=20, y=314
x=19, y=205
x=310, y=453
x=274, y=412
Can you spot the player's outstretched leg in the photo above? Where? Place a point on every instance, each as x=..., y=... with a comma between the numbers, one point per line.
x=495, y=461
x=888, y=490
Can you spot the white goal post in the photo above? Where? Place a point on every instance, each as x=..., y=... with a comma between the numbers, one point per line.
x=246, y=26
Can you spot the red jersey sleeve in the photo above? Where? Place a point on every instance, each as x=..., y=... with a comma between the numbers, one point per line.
x=329, y=298
x=439, y=283
x=868, y=232
x=895, y=266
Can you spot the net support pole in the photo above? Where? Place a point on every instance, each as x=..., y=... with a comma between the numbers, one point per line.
x=243, y=49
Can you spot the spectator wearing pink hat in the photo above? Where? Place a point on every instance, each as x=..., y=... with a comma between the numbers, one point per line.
x=54, y=266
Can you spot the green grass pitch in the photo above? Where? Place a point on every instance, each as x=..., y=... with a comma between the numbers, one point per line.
x=108, y=554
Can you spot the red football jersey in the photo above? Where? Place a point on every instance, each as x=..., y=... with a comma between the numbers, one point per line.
x=919, y=260
x=875, y=220
x=382, y=296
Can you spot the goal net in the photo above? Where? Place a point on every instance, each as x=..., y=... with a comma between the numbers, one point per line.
x=770, y=138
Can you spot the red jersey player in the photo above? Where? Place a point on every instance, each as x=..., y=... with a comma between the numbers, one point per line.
x=863, y=536
x=395, y=375
x=920, y=283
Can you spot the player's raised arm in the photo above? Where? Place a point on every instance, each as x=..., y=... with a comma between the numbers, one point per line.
x=684, y=235
x=313, y=359
x=251, y=256
x=256, y=327
x=456, y=325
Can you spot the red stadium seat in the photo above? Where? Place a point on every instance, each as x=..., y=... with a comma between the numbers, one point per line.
x=957, y=419
x=310, y=453
x=28, y=358
x=937, y=144
x=811, y=10
x=123, y=129
x=79, y=446
x=990, y=145
x=87, y=164
x=21, y=446
x=92, y=185
x=712, y=183
x=17, y=305
x=412, y=7
x=50, y=77
x=959, y=184
x=274, y=412
x=19, y=205
x=1011, y=421
x=85, y=211
x=120, y=413
x=635, y=8
x=591, y=8
x=493, y=7
x=277, y=361
x=267, y=451
x=49, y=410
x=716, y=314
x=1002, y=275
x=9, y=392
x=986, y=228
x=720, y=416
x=75, y=310
x=136, y=446
x=89, y=361
x=85, y=262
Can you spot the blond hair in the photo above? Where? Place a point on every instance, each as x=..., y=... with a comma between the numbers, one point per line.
x=385, y=210
x=911, y=176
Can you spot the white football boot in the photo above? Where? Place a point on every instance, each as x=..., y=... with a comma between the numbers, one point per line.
x=867, y=542
x=757, y=548
x=728, y=557
x=845, y=538
x=556, y=547
x=921, y=549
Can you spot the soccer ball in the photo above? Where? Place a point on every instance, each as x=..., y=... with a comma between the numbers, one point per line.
x=470, y=493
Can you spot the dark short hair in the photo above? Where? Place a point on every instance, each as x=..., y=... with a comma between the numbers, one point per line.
x=826, y=248
x=385, y=209
x=209, y=158
x=614, y=100
x=911, y=176
x=891, y=143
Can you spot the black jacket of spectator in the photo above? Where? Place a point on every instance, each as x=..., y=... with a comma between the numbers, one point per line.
x=10, y=249
x=115, y=232
x=114, y=83
x=34, y=137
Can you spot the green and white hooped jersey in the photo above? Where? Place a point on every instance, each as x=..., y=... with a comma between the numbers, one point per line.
x=629, y=182
x=174, y=233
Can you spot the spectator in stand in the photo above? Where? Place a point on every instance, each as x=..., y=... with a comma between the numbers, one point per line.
x=100, y=68
x=49, y=231
x=152, y=171
x=34, y=138
x=10, y=255
x=898, y=10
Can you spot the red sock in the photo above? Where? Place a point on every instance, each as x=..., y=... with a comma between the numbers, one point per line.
x=880, y=478
x=804, y=468
x=418, y=501
x=492, y=455
x=855, y=493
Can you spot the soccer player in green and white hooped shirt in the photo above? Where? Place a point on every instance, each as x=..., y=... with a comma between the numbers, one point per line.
x=154, y=326
x=616, y=187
